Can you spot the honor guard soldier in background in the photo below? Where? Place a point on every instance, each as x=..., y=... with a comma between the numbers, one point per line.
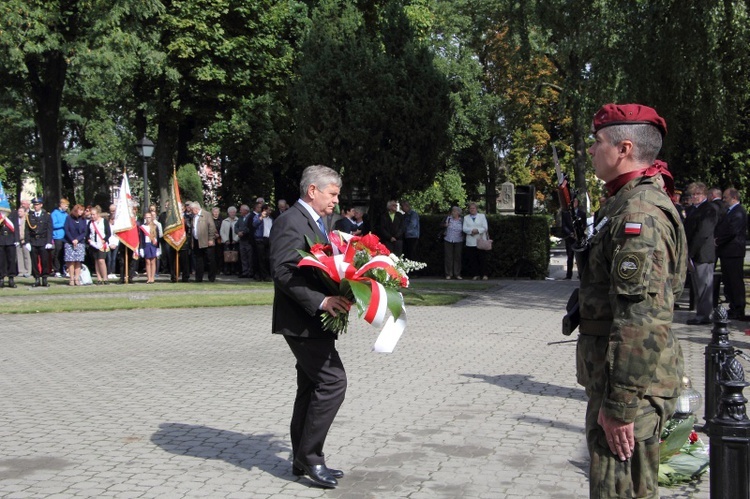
x=39, y=237
x=628, y=358
x=9, y=240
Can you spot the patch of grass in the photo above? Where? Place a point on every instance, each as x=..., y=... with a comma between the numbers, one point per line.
x=60, y=287
x=139, y=301
x=60, y=297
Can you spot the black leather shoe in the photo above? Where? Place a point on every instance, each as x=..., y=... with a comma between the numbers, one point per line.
x=44, y=282
x=334, y=473
x=36, y=283
x=318, y=474
x=12, y=282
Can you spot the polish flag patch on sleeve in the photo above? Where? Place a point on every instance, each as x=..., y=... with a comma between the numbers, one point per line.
x=632, y=228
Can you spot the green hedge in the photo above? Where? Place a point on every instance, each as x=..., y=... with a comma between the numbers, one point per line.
x=508, y=244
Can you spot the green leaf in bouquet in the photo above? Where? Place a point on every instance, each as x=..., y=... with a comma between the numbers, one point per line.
x=362, y=294
x=345, y=289
x=395, y=300
x=676, y=439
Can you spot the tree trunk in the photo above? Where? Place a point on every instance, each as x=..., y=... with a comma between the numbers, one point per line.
x=165, y=145
x=47, y=79
x=579, y=143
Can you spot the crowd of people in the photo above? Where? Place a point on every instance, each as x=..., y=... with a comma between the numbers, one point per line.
x=72, y=242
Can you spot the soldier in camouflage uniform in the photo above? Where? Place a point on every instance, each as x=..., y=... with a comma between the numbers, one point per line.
x=628, y=359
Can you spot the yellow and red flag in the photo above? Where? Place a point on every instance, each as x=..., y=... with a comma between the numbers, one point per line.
x=125, y=225
x=174, y=230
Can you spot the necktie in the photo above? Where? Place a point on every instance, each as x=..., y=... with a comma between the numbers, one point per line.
x=322, y=229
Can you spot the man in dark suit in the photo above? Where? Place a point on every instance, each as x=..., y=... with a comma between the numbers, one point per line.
x=699, y=230
x=9, y=241
x=731, y=234
x=392, y=228
x=301, y=295
x=40, y=245
x=244, y=230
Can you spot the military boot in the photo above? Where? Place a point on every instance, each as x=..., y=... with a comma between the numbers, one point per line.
x=12, y=282
x=44, y=282
x=36, y=282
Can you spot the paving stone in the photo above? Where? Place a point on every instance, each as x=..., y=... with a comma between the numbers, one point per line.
x=479, y=400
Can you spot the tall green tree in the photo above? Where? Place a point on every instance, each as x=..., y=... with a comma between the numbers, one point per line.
x=369, y=101
x=222, y=85
x=39, y=42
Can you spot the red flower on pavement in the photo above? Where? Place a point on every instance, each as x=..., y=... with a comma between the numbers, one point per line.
x=693, y=437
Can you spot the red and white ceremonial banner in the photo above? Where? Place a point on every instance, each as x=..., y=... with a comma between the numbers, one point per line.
x=125, y=226
x=174, y=227
x=4, y=220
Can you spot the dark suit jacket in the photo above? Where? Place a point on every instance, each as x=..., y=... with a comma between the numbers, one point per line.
x=344, y=225
x=721, y=209
x=8, y=237
x=699, y=230
x=394, y=228
x=38, y=229
x=298, y=291
x=245, y=225
x=731, y=233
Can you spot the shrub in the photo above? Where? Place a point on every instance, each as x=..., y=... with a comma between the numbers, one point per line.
x=514, y=238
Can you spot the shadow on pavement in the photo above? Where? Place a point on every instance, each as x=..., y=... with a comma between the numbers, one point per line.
x=552, y=423
x=238, y=449
x=524, y=384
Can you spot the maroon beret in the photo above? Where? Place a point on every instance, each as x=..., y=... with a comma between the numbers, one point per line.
x=628, y=114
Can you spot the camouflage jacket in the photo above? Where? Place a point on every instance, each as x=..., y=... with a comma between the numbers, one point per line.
x=636, y=268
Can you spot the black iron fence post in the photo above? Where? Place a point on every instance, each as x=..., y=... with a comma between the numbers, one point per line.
x=729, y=444
x=717, y=352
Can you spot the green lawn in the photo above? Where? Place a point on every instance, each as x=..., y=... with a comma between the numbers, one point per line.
x=60, y=297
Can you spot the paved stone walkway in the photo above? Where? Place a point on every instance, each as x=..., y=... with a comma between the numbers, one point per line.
x=479, y=400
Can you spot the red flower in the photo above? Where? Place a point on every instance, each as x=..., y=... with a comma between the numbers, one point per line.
x=371, y=242
x=319, y=248
x=382, y=250
x=693, y=437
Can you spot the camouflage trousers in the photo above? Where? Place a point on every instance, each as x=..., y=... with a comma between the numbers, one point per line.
x=638, y=476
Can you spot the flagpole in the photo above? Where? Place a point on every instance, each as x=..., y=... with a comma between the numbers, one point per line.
x=127, y=274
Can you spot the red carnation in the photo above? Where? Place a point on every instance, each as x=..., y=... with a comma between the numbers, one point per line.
x=382, y=250
x=693, y=437
x=319, y=248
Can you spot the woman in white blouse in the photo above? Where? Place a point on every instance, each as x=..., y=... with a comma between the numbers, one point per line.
x=98, y=238
x=475, y=228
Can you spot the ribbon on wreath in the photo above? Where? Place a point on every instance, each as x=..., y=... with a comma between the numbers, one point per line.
x=373, y=300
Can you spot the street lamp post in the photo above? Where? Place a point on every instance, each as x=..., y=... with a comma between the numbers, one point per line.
x=145, y=149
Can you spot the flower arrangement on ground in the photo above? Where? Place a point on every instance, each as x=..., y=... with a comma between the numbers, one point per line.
x=682, y=455
x=364, y=271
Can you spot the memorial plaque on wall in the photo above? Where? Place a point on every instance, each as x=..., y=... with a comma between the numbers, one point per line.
x=506, y=199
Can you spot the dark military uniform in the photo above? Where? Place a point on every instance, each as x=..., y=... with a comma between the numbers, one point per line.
x=39, y=235
x=8, y=241
x=628, y=359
